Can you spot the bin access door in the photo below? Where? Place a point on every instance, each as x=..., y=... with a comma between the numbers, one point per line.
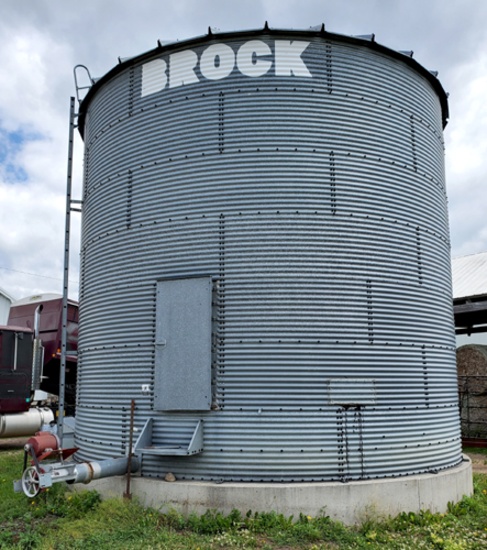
x=183, y=345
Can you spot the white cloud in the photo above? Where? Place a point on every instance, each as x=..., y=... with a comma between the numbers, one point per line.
x=466, y=141
x=466, y=154
x=32, y=221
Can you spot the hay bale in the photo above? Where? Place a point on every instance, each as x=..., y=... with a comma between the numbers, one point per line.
x=472, y=387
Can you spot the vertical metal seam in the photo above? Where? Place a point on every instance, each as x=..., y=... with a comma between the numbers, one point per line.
x=221, y=307
x=360, y=424
x=413, y=144
x=370, y=312
x=419, y=255
x=332, y=183
x=85, y=176
x=340, y=443
x=221, y=122
x=215, y=378
x=131, y=92
x=329, y=67
x=129, y=200
x=425, y=376
x=347, y=444
x=153, y=348
x=82, y=274
x=123, y=438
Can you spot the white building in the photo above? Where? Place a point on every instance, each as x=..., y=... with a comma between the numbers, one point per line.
x=5, y=301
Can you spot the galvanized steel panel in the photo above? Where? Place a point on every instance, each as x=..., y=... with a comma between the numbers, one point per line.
x=316, y=203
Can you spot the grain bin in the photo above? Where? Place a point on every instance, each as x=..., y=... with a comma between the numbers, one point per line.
x=265, y=262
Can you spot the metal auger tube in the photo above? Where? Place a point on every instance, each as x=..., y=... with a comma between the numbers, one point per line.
x=87, y=471
x=36, y=478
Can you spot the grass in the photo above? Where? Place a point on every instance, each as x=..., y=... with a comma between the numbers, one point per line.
x=61, y=519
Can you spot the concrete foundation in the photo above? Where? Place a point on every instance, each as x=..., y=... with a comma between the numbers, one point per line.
x=350, y=503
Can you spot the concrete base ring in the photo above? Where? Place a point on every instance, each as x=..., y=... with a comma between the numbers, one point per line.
x=350, y=503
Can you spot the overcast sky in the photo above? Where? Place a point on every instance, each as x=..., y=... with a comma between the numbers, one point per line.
x=42, y=40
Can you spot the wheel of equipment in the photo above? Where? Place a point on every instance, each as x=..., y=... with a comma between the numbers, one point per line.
x=30, y=482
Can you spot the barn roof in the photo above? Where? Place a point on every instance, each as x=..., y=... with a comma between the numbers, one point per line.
x=469, y=275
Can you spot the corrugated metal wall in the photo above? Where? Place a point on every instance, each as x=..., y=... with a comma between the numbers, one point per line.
x=317, y=203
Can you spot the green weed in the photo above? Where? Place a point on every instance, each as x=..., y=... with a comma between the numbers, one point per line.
x=60, y=519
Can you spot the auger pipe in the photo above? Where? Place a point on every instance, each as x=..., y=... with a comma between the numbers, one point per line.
x=84, y=472
x=44, y=475
x=87, y=471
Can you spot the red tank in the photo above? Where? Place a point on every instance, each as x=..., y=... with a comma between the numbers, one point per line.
x=42, y=442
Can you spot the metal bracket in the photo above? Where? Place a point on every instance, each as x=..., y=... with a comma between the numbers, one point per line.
x=144, y=444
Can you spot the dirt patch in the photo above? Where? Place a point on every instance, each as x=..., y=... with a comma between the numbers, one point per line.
x=479, y=462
